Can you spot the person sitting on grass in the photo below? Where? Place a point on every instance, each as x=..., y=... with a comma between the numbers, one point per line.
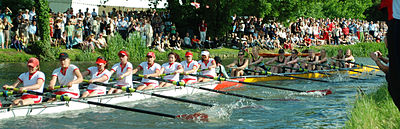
x=17, y=43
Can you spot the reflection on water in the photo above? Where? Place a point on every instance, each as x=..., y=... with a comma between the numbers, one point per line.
x=281, y=109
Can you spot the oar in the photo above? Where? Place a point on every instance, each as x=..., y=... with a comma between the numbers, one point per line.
x=349, y=69
x=129, y=90
x=327, y=91
x=181, y=83
x=15, y=91
x=305, y=70
x=286, y=75
x=362, y=65
x=195, y=116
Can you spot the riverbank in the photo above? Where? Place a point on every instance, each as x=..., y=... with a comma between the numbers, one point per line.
x=374, y=110
x=359, y=50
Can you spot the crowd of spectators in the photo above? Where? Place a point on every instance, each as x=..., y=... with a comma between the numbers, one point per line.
x=88, y=30
x=304, y=32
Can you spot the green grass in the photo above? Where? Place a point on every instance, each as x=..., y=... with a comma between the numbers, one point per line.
x=11, y=55
x=375, y=110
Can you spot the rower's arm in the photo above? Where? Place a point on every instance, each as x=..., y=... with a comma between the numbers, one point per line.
x=79, y=77
x=293, y=61
x=52, y=82
x=15, y=84
x=316, y=60
x=101, y=79
x=128, y=72
x=246, y=63
x=180, y=69
x=232, y=64
x=226, y=75
x=192, y=70
x=322, y=60
x=271, y=61
x=36, y=86
x=213, y=65
x=259, y=60
x=85, y=73
x=349, y=58
x=155, y=74
x=136, y=70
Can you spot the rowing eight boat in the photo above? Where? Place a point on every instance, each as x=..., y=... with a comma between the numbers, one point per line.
x=61, y=106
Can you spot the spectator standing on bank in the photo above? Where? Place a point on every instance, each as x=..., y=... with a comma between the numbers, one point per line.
x=187, y=41
x=203, y=30
x=70, y=29
x=32, y=31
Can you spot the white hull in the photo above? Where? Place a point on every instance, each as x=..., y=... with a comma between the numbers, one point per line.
x=58, y=107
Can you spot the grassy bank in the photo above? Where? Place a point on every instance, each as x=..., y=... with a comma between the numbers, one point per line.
x=359, y=50
x=138, y=53
x=374, y=110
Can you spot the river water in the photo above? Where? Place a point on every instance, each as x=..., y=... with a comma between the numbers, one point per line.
x=281, y=109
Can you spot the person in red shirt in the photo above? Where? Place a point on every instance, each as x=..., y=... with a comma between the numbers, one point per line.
x=196, y=42
x=203, y=30
x=345, y=31
x=307, y=41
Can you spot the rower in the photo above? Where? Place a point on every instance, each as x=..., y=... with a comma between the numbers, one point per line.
x=124, y=72
x=220, y=69
x=349, y=57
x=207, y=66
x=31, y=80
x=190, y=66
x=338, y=59
x=322, y=59
x=150, y=69
x=98, y=73
x=292, y=61
x=239, y=65
x=69, y=75
x=256, y=61
x=279, y=60
x=310, y=61
x=173, y=68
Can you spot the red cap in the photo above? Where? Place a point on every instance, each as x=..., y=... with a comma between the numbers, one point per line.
x=188, y=54
x=122, y=53
x=100, y=61
x=33, y=62
x=151, y=54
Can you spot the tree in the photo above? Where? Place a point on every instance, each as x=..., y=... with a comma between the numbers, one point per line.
x=43, y=47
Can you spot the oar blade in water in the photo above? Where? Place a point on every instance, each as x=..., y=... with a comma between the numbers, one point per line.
x=322, y=92
x=202, y=117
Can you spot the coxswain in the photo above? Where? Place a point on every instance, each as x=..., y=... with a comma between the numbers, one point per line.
x=238, y=66
x=123, y=71
x=69, y=75
x=32, y=80
x=150, y=69
x=98, y=73
x=190, y=66
x=348, y=57
x=279, y=61
x=172, y=69
x=220, y=69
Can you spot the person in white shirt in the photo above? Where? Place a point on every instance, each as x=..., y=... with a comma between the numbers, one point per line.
x=207, y=66
x=69, y=75
x=150, y=69
x=190, y=66
x=173, y=67
x=98, y=73
x=32, y=80
x=124, y=72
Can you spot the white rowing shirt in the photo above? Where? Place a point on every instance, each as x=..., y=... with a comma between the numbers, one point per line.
x=66, y=76
x=149, y=69
x=95, y=73
x=170, y=68
x=29, y=80
x=189, y=66
x=126, y=81
x=204, y=67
